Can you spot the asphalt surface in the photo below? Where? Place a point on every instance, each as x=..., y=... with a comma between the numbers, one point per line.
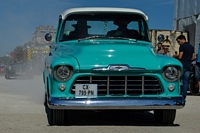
x=22, y=111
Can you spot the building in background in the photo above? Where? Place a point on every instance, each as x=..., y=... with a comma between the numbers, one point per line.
x=187, y=18
x=35, y=50
x=40, y=32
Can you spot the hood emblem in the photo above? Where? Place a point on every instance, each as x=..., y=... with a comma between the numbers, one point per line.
x=118, y=68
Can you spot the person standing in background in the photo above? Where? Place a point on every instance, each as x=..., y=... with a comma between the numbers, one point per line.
x=159, y=50
x=166, y=52
x=186, y=56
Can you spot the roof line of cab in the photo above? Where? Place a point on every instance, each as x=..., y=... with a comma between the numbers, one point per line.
x=102, y=9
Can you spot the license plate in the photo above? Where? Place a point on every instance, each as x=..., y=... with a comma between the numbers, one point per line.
x=85, y=90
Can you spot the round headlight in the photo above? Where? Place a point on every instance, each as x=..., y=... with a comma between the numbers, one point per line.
x=63, y=72
x=171, y=73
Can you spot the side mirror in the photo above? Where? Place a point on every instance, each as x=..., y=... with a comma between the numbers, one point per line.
x=161, y=38
x=48, y=37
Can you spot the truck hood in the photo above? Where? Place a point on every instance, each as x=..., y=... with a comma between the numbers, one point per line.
x=92, y=55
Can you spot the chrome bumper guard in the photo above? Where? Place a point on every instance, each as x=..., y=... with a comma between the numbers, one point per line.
x=116, y=103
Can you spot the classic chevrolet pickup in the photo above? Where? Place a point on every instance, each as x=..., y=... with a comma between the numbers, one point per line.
x=102, y=59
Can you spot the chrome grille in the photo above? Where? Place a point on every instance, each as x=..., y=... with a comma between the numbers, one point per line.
x=121, y=85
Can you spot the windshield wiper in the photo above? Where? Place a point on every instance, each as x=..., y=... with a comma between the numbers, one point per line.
x=123, y=38
x=91, y=37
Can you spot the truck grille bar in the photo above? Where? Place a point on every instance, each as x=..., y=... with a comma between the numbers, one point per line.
x=121, y=85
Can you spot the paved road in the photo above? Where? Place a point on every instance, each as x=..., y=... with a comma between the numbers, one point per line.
x=22, y=111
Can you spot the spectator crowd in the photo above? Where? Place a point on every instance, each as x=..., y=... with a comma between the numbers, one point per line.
x=187, y=57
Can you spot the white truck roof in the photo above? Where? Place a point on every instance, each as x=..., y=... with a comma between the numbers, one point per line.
x=102, y=9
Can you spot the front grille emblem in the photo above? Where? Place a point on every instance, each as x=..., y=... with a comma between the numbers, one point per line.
x=118, y=68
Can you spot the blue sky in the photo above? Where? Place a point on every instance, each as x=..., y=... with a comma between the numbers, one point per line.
x=19, y=18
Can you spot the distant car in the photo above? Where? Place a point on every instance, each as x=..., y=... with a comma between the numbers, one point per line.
x=17, y=67
x=102, y=59
x=18, y=70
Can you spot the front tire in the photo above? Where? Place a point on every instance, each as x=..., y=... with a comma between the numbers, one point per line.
x=45, y=99
x=165, y=116
x=57, y=117
x=7, y=76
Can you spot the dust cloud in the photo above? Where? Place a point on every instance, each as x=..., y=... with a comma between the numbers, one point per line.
x=31, y=88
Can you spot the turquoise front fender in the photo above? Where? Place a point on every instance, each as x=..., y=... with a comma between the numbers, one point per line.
x=164, y=61
x=52, y=62
x=67, y=60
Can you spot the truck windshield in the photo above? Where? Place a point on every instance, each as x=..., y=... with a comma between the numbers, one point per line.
x=105, y=26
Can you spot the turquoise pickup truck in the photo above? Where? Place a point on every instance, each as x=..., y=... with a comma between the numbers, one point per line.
x=102, y=59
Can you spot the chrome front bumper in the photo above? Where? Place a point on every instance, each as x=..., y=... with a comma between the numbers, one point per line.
x=116, y=103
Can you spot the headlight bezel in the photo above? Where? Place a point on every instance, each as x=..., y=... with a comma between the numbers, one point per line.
x=61, y=69
x=175, y=70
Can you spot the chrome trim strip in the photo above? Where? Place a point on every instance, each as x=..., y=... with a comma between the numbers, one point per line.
x=90, y=79
x=108, y=85
x=106, y=69
x=143, y=85
x=116, y=103
x=125, y=85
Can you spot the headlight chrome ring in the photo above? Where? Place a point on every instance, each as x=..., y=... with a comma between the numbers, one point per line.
x=63, y=72
x=171, y=73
